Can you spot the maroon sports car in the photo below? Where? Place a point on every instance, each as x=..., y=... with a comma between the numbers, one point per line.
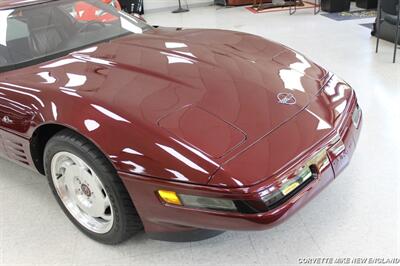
x=174, y=130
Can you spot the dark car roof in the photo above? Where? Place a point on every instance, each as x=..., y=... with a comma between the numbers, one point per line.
x=7, y=4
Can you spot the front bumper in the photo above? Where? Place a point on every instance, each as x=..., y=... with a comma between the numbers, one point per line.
x=159, y=217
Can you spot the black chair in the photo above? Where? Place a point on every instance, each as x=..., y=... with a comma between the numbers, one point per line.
x=334, y=6
x=132, y=6
x=391, y=9
x=367, y=4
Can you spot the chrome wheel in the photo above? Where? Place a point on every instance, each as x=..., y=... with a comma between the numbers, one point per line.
x=82, y=192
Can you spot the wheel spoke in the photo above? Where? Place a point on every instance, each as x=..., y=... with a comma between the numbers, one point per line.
x=99, y=206
x=107, y=206
x=107, y=217
x=70, y=173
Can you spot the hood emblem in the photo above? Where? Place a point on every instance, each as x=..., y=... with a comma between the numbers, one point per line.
x=286, y=98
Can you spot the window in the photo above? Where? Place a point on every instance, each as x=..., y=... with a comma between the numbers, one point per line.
x=36, y=33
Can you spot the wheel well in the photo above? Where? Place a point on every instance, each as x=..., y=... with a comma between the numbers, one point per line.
x=38, y=142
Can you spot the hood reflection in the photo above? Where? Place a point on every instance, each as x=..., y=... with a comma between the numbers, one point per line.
x=292, y=77
x=182, y=158
x=47, y=77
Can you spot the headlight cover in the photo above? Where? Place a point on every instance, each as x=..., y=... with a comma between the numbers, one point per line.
x=192, y=201
x=207, y=203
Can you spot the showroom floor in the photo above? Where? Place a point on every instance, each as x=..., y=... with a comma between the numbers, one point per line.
x=358, y=215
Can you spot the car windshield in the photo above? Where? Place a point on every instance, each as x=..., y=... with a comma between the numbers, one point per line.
x=40, y=32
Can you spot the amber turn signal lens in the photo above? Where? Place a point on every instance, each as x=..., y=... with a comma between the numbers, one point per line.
x=169, y=197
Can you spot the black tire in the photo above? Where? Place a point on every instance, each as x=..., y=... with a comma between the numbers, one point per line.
x=126, y=220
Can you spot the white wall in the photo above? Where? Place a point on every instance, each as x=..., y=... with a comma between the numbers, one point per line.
x=150, y=5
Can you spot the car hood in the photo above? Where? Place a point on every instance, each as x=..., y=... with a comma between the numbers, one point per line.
x=214, y=91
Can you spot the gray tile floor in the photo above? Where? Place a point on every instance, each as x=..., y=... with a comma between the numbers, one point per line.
x=356, y=216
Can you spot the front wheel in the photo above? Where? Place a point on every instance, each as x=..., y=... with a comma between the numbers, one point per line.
x=89, y=190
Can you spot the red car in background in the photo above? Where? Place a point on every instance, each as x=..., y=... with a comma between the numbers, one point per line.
x=87, y=12
x=175, y=130
x=113, y=3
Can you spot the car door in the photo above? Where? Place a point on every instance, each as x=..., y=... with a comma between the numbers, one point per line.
x=15, y=112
